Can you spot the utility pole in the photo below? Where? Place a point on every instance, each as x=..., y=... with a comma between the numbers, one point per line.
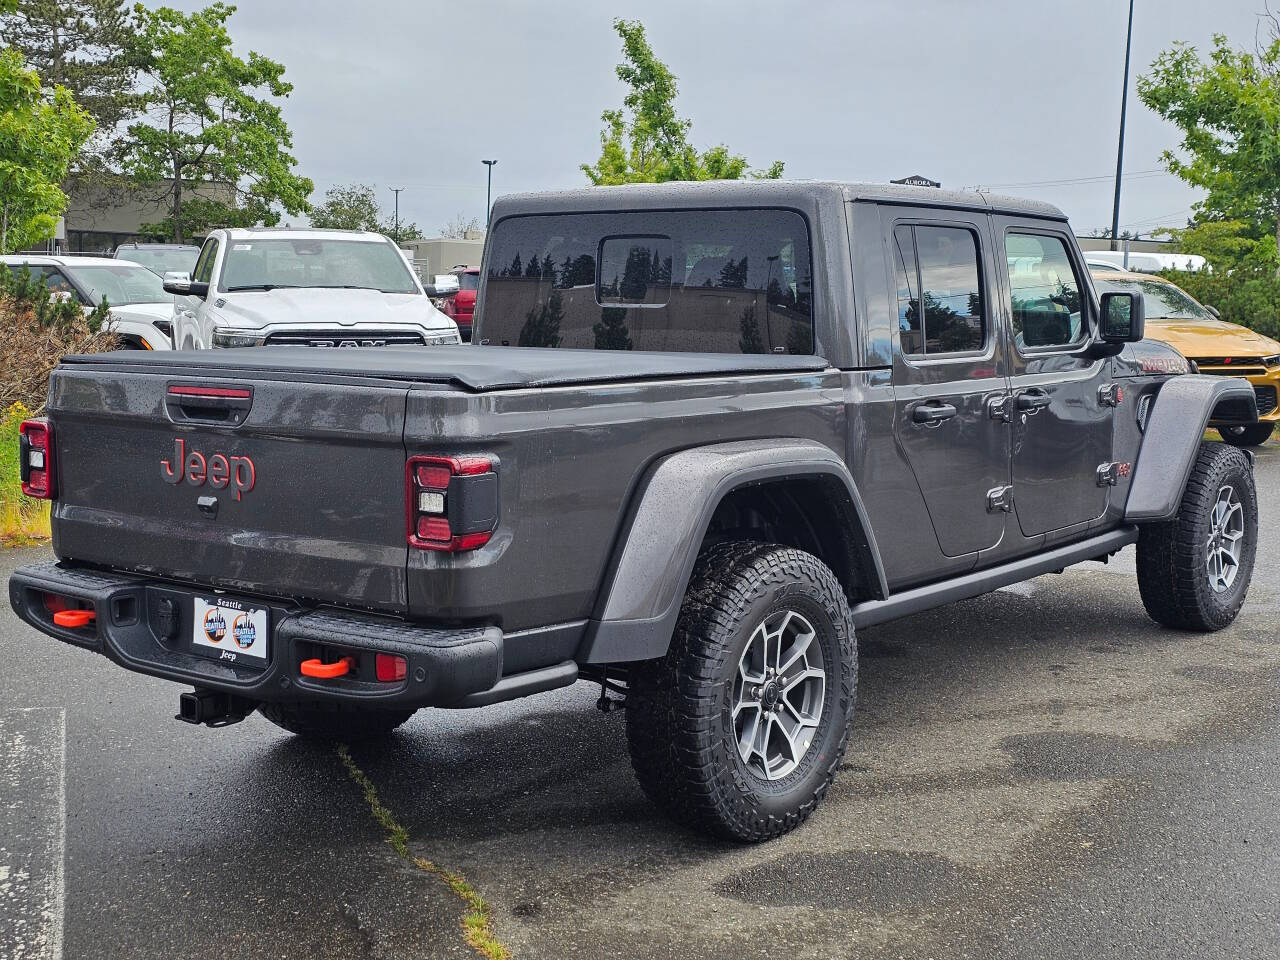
x=396, y=230
x=1124, y=103
x=488, y=194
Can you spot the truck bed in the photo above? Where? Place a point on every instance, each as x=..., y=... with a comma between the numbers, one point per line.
x=326, y=435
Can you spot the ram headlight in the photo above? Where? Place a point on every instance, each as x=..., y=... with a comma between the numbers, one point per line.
x=1271, y=361
x=226, y=337
x=441, y=339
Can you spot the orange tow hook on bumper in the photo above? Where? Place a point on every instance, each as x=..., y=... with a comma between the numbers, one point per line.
x=327, y=671
x=74, y=618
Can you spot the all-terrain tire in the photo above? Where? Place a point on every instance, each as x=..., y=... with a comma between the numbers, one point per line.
x=1173, y=557
x=680, y=729
x=1251, y=435
x=333, y=721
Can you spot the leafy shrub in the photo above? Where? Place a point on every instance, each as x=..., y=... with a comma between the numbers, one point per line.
x=1242, y=283
x=1242, y=295
x=36, y=330
x=22, y=519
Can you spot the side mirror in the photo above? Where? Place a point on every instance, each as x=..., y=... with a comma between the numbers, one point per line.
x=1124, y=318
x=186, y=288
x=1214, y=311
x=176, y=275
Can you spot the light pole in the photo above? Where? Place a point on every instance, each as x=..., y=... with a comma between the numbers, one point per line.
x=1124, y=103
x=396, y=229
x=488, y=193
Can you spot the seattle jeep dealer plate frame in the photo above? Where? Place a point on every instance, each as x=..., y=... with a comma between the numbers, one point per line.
x=226, y=629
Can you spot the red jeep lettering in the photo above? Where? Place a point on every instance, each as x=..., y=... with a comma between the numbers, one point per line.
x=218, y=470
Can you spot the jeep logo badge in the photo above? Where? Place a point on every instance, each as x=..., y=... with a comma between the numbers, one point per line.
x=218, y=470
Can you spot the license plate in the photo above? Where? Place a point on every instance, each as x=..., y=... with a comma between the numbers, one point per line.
x=229, y=630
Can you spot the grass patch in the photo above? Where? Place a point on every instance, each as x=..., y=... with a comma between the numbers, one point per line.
x=477, y=927
x=23, y=521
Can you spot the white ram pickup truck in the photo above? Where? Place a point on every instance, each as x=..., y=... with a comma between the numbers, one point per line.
x=322, y=288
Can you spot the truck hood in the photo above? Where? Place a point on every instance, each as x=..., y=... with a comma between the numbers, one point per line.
x=1211, y=338
x=319, y=307
x=144, y=312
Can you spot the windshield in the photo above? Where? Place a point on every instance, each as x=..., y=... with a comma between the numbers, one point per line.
x=163, y=260
x=469, y=281
x=259, y=264
x=121, y=284
x=1162, y=301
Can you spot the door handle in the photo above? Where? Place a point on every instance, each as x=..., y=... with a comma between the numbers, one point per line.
x=934, y=413
x=1033, y=400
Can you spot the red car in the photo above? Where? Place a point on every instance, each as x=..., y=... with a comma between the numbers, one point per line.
x=461, y=307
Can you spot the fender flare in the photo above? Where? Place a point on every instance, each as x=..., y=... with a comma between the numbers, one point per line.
x=1181, y=412
x=671, y=511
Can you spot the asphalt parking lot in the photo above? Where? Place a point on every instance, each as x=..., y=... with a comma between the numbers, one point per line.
x=1038, y=773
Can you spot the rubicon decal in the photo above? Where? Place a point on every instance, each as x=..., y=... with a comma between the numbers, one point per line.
x=217, y=469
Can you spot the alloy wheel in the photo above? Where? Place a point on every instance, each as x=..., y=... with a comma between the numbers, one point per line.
x=1226, y=539
x=778, y=695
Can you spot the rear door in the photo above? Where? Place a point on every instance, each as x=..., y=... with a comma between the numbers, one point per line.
x=262, y=486
x=1061, y=421
x=949, y=373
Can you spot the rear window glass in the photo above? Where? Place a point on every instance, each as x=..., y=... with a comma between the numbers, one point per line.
x=710, y=281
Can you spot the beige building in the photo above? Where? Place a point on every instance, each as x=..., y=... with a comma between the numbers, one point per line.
x=435, y=255
x=100, y=217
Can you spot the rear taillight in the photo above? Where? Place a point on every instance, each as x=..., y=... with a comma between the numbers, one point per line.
x=35, y=458
x=451, y=503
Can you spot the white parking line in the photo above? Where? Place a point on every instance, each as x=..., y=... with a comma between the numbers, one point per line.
x=33, y=833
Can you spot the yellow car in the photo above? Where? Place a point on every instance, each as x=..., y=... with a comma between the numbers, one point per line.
x=1217, y=347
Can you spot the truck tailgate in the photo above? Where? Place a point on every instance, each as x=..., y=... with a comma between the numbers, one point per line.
x=303, y=496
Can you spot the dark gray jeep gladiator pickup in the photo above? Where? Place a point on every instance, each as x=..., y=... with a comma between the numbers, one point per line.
x=704, y=432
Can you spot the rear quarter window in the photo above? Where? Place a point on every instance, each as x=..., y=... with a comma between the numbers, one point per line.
x=707, y=281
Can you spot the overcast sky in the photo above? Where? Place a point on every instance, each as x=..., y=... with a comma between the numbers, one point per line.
x=1002, y=93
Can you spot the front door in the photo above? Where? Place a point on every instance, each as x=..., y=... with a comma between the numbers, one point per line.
x=948, y=374
x=1061, y=416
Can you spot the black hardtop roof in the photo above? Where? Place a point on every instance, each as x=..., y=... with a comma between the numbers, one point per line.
x=801, y=194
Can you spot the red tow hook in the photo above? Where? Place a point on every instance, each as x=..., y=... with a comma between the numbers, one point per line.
x=327, y=671
x=74, y=618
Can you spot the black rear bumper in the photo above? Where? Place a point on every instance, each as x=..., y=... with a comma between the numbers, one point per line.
x=444, y=666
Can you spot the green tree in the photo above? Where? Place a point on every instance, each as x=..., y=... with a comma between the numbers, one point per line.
x=40, y=134
x=460, y=226
x=749, y=340
x=611, y=332
x=354, y=206
x=542, y=324
x=1227, y=108
x=646, y=141
x=209, y=120
x=84, y=46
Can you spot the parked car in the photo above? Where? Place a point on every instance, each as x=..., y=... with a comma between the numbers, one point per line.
x=140, y=309
x=323, y=288
x=822, y=407
x=462, y=305
x=162, y=259
x=1142, y=262
x=1215, y=346
x=1103, y=265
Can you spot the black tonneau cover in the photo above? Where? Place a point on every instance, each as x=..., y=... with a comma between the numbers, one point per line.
x=474, y=368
